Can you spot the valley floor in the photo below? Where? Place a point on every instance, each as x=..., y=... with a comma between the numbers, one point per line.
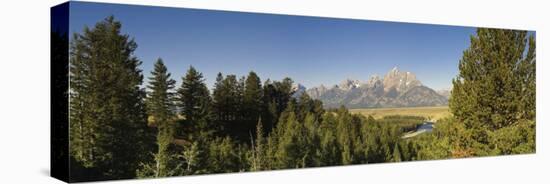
x=431, y=113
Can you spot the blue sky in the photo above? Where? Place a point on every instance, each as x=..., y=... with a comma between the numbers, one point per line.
x=310, y=50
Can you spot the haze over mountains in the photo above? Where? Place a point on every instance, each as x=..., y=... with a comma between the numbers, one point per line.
x=396, y=89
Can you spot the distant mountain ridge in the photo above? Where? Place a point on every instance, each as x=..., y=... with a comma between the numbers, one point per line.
x=396, y=89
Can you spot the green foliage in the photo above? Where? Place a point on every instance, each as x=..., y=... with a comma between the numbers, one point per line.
x=227, y=106
x=495, y=89
x=396, y=155
x=312, y=140
x=344, y=130
x=496, y=78
x=516, y=139
x=437, y=145
x=190, y=159
x=194, y=101
x=108, y=128
x=257, y=156
x=223, y=156
x=329, y=153
x=276, y=96
x=165, y=137
x=252, y=97
x=160, y=97
x=290, y=142
x=160, y=109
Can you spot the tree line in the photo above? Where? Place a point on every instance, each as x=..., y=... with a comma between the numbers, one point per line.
x=120, y=130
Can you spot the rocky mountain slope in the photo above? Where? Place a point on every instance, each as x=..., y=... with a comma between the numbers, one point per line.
x=395, y=89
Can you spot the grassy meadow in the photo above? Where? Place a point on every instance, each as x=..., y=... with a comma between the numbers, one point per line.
x=432, y=113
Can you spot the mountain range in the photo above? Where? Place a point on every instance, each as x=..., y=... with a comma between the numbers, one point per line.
x=396, y=89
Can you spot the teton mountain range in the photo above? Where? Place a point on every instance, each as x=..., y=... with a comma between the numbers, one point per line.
x=395, y=89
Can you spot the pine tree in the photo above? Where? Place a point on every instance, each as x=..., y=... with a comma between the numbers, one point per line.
x=290, y=152
x=253, y=94
x=160, y=108
x=283, y=93
x=330, y=150
x=277, y=95
x=189, y=156
x=343, y=131
x=223, y=156
x=495, y=78
x=258, y=152
x=107, y=118
x=194, y=102
x=241, y=120
x=305, y=106
x=227, y=105
x=219, y=93
x=495, y=87
x=269, y=108
x=160, y=97
x=312, y=142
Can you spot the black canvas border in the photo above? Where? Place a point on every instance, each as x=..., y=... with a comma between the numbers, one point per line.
x=59, y=92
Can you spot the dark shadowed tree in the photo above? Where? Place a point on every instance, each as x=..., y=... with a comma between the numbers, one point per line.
x=227, y=106
x=253, y=94
x=276, y=96
x=194, y=102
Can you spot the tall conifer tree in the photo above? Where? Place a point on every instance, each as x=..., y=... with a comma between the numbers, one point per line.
x=194, y=101
x=252, y=100
x=160, y=109
x=107, y=114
